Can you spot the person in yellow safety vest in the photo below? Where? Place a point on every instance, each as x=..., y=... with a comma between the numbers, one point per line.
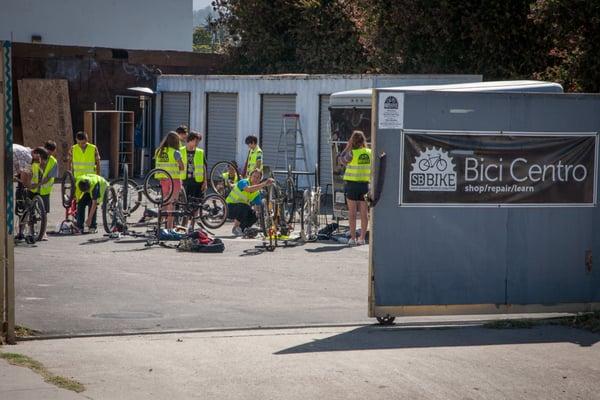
x=89, y=192
x=44, y=170
x=255, y=156
x=230, y=177
x=84, y=156
x=194, y=174
x=182, y=132
x=357, y=159
x=168, y=157
x=244, y=194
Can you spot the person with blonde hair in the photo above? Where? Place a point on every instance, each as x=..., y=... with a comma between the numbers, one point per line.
x=168, y=157
x=357, y=159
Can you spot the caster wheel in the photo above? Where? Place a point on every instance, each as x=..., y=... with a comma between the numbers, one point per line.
x=387, y=320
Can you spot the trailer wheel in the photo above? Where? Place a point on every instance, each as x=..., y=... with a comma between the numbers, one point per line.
x=387, y=320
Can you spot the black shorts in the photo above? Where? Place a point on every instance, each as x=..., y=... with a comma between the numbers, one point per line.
x=46, y=199
x=192, y=188
x=356, y=190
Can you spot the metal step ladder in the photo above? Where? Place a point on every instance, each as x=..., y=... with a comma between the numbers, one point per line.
x=291, y=151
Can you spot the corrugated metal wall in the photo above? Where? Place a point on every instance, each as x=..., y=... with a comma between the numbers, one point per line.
x=324, y=145
x=307, y=88
x=274, y=106
x=221, y=127
x=175, y=111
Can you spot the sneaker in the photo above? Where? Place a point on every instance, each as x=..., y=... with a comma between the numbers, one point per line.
x=351, y=242
x=237, y=231
x=93, y=230
x=360, y=242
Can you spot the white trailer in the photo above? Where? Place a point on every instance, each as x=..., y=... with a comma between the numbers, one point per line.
x=351, y=110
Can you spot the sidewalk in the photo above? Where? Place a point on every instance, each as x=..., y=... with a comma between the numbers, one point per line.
x=442, y=362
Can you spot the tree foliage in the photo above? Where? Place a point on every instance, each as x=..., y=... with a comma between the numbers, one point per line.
x=277, y=36
x=572, y=42
x=557, y=40
x=202, y=42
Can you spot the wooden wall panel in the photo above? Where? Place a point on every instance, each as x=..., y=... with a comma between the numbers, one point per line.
x=46, y=115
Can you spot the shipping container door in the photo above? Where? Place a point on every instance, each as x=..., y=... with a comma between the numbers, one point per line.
x=221, y=127
x=273, y=108
x=175, y=111
x=324, y=143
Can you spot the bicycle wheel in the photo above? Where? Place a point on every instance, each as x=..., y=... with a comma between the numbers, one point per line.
x=213, y=211
x=181, y=205
x=125, y=188
x=110, y=210
x=67, y=189
x=223, y=176
x=37, y=218
x=289, y=201
x=134, y=194
x=153, y=189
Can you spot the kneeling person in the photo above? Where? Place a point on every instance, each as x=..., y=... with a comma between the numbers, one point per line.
x=89, y=191
x=245, y=193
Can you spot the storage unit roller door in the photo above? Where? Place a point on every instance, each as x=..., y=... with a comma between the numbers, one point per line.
x=324, y=143
x=221, y=127
x=273, y=108
x=175, y=111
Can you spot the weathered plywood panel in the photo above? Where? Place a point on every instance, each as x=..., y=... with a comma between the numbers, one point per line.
x=46, y=115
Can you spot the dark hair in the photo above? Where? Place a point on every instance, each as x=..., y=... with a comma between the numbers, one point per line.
x=171, y=140
x=358, y=140
x=181, y=129
x=193, y=135
x=50, y=145
x=81, y=135
x=84, y=185
x=251, y=139
x=42, y=152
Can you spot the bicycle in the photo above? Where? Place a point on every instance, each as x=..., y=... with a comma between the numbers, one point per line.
x=223, y=176
x=428, y=163
x=31, y=213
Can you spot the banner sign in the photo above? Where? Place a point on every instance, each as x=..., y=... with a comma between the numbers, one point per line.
x=489, y=169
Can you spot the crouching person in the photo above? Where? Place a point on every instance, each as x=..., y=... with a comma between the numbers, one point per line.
x=245, y=194
x=89, y=192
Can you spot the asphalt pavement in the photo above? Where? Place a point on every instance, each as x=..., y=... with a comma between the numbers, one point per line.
x=88, y=284
x=399, y=362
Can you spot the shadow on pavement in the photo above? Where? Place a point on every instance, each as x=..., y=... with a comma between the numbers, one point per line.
x=324, y=249
x=381, y=338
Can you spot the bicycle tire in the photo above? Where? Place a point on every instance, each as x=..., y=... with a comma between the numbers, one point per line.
x=213, y=211
x=181, y=204
x=37, y=211
x=134, y=193
x=110, y=198
x=217, y=182
x=153, y=188
x=262, y=217
x=289, y=201
x=67, y=189
x=125, y=190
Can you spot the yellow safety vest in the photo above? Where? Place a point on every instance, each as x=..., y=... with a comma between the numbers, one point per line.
x=84, y=162
x=166, y=160
x=226, y=178
x=94, y=181
x=252, y=159
x=198, y=164
x=237, y=196
x=359, y=169
x=46, y=188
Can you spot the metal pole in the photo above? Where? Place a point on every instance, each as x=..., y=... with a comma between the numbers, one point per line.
x=3, y=230
x=6, y=195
